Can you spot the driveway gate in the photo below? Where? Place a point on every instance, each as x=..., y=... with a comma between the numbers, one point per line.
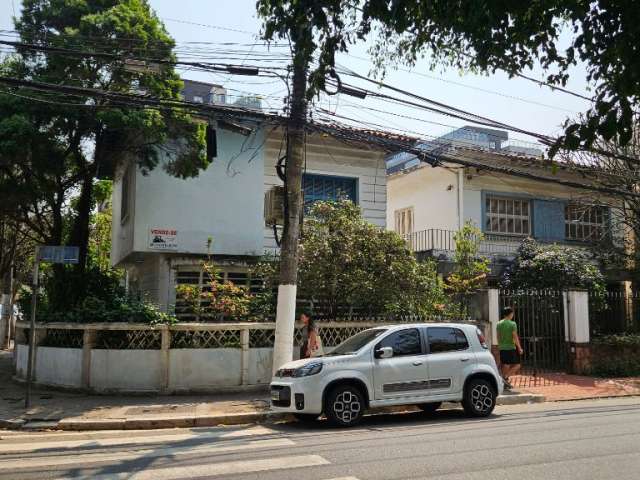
x=541, y=326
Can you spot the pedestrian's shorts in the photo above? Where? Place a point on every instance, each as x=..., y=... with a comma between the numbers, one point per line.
x=509, y=357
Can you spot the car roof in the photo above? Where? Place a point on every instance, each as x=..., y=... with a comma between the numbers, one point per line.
x=398, y=326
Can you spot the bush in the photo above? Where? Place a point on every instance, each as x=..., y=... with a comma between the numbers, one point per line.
x=616, y=356
x=552, y=267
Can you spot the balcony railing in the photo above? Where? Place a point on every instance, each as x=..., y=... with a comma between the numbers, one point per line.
x=434, y=240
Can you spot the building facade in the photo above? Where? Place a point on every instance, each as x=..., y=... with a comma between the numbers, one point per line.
x=164, y=227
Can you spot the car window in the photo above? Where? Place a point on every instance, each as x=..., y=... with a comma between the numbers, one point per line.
x=355, y=343
x=403, y=342
x=446, y=339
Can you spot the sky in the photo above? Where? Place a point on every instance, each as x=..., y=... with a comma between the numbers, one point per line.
x=516, y=101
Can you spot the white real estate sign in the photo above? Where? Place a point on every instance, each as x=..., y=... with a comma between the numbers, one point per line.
x=163, y=239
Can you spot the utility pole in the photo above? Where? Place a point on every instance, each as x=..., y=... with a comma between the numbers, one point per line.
x=287, y=289
x=7, y=309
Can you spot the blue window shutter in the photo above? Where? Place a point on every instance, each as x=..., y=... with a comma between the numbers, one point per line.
x=548, y=220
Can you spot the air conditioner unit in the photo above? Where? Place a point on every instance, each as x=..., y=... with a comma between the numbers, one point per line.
x=274, y=206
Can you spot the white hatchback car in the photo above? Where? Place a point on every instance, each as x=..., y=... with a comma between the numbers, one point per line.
x=423, y=364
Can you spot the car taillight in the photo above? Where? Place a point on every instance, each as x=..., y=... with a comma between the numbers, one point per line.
x=481, y=338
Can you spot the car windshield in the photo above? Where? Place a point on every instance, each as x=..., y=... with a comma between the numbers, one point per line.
x=352, y=344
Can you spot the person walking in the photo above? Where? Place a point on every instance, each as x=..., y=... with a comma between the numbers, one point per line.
x=509, y=346
x=311, y=341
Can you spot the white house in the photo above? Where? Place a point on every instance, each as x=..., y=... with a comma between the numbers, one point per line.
x=429, y=204
x=163, y=227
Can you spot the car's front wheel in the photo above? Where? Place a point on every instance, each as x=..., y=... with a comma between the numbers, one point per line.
x=344, y=406
x=479, y=398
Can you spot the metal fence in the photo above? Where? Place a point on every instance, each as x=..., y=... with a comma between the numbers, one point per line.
x=614, y=312
x=540, y=318
x=435, y=239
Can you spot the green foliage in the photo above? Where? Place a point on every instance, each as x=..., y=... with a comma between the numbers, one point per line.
x=514, y=36
x=470, y=270
x=348, y=265
x=223, y=301
x=618, y=340
x=542, y=267
x=616, y=366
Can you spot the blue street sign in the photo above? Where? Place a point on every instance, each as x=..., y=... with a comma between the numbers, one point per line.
x=58, y=254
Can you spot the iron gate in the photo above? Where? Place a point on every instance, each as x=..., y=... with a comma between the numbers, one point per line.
x=541, y=326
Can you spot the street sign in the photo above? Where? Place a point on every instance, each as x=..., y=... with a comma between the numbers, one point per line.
x=58, y=254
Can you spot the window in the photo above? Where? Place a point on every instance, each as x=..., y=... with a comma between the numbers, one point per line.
x=325, y=187
x=584, y=222
x=403, y=342
x=508, y=216
x=446, y=339
x=197, y=99
x=125, y=196
x=355, y=343
x=404, y=221
x=192, y=275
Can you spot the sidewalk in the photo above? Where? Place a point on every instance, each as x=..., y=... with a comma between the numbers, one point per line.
x=76, y=411
x=560, y=387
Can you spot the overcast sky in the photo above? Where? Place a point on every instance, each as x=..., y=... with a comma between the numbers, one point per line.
x=516, y=101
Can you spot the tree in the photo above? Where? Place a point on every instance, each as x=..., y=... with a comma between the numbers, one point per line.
x=513, y=36
x=470, y=269
x=349, y=266
x=93, y=136
x=553, y=267
x=311, y=26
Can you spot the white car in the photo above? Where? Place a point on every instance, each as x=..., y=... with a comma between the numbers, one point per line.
x=423, y=364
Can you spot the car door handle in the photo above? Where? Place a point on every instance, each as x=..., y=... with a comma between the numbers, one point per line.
x=417, y=363
x=464, y=359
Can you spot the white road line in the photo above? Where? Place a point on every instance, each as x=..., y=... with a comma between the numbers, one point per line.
x=228, y=431
x=214, y=469
x=343, y=478
x=96, y=442
x=87, y=458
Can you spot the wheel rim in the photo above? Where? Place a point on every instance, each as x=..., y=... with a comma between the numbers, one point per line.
x=481, y=398
x=347, y=407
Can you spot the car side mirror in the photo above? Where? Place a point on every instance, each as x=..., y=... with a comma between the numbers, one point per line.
x=384, y=352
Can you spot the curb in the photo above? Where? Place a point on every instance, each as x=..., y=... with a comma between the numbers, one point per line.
x=146, y=423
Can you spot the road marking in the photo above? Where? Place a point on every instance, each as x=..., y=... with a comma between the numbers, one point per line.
x=215, y=469
x=86, y=458
x=97, y=442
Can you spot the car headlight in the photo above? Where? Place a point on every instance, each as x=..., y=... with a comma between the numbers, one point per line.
x=309, y=369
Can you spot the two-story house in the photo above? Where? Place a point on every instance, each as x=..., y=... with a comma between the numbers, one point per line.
x=163, y=227
x=429, y=204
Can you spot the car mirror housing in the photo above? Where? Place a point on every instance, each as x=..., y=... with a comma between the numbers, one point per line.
x=384, y=352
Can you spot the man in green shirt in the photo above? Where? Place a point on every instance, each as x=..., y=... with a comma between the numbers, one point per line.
x=509, y=346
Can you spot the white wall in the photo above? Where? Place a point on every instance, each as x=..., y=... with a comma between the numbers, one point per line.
x=433, y=194
x=61, y=367
x=202, y=369
x=325, y=155
x=111, y=370
x=122, y=233
x=224, y=202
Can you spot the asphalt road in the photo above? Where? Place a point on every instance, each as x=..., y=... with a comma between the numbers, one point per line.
x=573, y=440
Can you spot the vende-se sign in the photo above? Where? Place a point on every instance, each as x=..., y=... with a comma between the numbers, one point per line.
x=163, y=239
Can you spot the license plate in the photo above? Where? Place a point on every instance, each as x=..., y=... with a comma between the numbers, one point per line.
x=275, y=395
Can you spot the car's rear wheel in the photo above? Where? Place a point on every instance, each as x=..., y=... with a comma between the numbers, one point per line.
x=430, y=407
x=344, y=406
x=479, y=398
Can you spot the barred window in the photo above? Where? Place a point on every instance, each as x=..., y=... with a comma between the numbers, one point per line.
x=584, y=222
x=507, y=216
x=193, y=275
x=404, y=221
x=327, y=187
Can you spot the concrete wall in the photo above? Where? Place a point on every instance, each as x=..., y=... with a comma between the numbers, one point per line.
x=204, y=369
x=113, y=370
x=325, y=155
x=60, y=367
x=122, y=232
